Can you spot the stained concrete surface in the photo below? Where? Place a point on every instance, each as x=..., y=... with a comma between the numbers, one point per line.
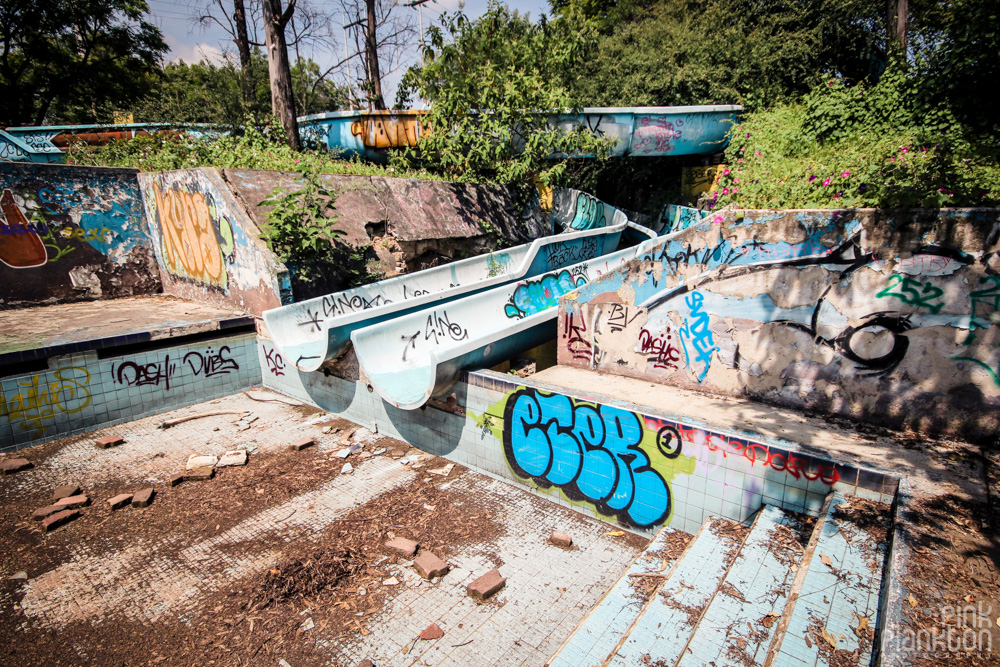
x=63, y=324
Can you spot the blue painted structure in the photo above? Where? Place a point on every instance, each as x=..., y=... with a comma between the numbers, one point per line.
x=45, y=143
x=637, y=131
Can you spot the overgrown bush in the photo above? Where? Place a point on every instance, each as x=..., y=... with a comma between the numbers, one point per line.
x=258, y=145
x=883, y=146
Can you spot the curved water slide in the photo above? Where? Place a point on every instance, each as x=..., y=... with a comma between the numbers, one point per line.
x=409, y=359
x=313, y=332
x=634, y=131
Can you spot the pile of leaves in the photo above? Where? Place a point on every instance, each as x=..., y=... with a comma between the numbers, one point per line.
x=308, y=577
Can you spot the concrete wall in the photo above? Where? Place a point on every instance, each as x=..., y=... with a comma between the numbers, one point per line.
x=72, y=233
x=208, y=248
x=883, y=316
x=409, y=222
x=82, y=392
x=628, y=465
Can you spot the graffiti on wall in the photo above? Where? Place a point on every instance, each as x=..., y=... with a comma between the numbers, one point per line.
x=37, y=400
x=275, y=362
x=623, y=463
x=589, y=213
x=28, y=244
x=197, y=240
x=381, y=131
x=809, y=322
x=656, y=134
x=591, y=452
x=534, y=296
x=204, y=364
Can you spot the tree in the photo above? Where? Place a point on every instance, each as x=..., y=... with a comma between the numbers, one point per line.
x=755, y=53
x=493, y=89
x=74, y=60
x=279, y=70
x=382, y=37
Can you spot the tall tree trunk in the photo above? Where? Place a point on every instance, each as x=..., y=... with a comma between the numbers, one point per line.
x=282, y=99
x=897, y=15
x=243, y=46
x=371, y=59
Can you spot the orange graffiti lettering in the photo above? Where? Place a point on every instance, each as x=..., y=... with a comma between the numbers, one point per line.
x=191, y=236
x=388, y=131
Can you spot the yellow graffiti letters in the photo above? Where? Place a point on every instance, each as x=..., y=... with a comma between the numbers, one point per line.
x=35, y=401
x=196, y=240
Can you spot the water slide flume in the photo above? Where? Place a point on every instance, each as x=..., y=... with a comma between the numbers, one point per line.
x=313, y=332
x=410, y=359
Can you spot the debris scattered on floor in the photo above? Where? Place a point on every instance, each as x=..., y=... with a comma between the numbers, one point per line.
x=432, y=631
x=236, y=457
x=170, y=423
x=402, y=546
x=199, y=474
x=442, y=471
x=12, y=466
x=428, y=565
x=65, y=491
x=560, y=539
x=486, y=586
x=201, y=461
x=347, y=469
x=299, y=445
x=144, y=498
x=119, y=501
x=59, y=519
x=109, y=441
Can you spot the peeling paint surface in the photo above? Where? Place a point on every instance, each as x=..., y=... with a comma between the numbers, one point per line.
x=866, y=314
x=71, y=234
x=207, y=246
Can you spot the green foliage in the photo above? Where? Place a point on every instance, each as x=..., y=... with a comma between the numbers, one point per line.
x=845, y=147
x=677, y=52
x=74, y=61
x=208, y=93
x=258, y=145
x=492, y=85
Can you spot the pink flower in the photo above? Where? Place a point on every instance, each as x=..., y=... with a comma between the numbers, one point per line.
x=905, y=150
x=736, y=180
x=725, y=172
x=725, y=191
x=845, y=174
x=717, y=220
x=296, y=160
x=826, y=182
x=756, y=152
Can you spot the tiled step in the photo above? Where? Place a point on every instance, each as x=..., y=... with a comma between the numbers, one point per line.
x=740, y=622
x=835, y=598
x=661, y=633
x=600, y=631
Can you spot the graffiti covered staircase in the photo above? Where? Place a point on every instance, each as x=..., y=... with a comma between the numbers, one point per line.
x=787, y=590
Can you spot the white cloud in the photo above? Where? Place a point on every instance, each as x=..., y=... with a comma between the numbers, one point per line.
x=192, y=51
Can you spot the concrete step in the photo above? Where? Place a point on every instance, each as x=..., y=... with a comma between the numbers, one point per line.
x=742, y=618
x=661, y=633
x=600, y=631
x=832, y=619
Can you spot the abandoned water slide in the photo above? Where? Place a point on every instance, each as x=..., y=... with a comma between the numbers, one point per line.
x=312, y=332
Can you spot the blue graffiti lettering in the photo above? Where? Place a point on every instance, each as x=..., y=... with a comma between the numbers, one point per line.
x=591, y=453
x=534, y=296
x=695, y=331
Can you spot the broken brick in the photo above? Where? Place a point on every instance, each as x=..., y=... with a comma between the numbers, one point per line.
x=109, y=441
x=560, y=539
x=58, y=519
x=196, y=461
x=432, y=631
x=402, y=546
x=299, y=445
x=486, y=585
x=15, y=465
x=43, y=512
x=144, y=498
x=176, y=479
x=73, y=502
x=428, y=565
x=365, y=663
x=199, y=474
x=65, y=491
x=119, y=501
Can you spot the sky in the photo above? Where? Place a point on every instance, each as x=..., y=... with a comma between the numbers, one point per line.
x=191, y=42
